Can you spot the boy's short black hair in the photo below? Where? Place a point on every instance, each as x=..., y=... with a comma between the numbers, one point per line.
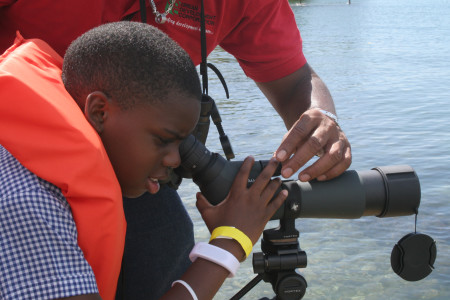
x=129, y=61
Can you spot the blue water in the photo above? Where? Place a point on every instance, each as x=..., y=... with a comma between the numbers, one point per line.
x=387, y=65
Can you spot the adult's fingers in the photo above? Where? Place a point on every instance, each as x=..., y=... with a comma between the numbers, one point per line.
x=298, y=133
x=338, y=168
x=321, y=136
x=315, y=144
x=335, y=160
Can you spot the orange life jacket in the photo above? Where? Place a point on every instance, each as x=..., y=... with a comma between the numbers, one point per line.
x=46, y=131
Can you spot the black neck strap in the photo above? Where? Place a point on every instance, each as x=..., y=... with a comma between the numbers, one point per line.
x=203, y=64
x=213, y=112
x=143, y=10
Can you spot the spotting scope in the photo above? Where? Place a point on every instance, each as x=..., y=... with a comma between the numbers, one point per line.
x=388, y=191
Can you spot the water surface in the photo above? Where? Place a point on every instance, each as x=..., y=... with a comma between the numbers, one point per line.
x=387, y=65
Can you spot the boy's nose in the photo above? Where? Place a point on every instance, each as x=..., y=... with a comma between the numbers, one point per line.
x=172, y=158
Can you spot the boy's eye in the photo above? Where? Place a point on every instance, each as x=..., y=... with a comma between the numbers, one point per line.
x=165, y=141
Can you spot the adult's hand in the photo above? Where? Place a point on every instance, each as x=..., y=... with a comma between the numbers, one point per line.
x=297, y=98
x=313, y=134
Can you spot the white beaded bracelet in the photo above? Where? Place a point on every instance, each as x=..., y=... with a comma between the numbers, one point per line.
x=216, y=255
x=330, y=115
x=188, y=287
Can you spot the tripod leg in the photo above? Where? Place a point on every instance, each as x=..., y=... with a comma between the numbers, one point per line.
x=247, y=287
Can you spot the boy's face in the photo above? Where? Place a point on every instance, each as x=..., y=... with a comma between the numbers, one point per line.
x=142, y=142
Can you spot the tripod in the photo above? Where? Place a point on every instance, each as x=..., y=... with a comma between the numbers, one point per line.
x=277, y=263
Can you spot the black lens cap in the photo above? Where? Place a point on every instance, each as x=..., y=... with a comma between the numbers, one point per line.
x=413, y=256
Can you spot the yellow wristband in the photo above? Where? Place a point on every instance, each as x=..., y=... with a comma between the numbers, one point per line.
x=236, y=234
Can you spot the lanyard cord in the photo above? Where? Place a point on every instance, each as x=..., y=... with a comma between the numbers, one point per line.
x=203, y=64
x=143, y=10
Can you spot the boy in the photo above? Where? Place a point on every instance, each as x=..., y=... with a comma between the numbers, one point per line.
x=135, y=87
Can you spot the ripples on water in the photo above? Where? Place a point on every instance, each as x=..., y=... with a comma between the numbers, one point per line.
x=387, y=65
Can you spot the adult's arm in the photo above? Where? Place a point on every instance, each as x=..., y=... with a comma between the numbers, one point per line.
x=298, y=98
x=267, y=43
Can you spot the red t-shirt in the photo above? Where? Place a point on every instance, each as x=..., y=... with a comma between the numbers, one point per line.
x=261, y=34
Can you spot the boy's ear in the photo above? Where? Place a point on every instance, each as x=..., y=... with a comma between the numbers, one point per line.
x=96, y=110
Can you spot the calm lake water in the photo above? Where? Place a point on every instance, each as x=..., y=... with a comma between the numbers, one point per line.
x=387, y=65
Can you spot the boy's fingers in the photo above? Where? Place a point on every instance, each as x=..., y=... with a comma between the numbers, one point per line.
x=202, y=203
x=264, y=177
x=271, y=189
x=278, y=200
x=241, y=179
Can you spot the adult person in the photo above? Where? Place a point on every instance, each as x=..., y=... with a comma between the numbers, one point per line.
x=141, y=115
x=264, y=38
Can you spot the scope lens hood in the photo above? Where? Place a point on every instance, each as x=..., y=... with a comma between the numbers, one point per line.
x=412, y=258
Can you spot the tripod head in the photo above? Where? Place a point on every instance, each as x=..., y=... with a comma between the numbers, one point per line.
x=281, y=256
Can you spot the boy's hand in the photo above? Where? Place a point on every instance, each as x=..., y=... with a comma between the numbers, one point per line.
x=248, y=209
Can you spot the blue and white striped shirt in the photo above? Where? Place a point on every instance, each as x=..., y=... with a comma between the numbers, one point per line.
x=39, y=254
